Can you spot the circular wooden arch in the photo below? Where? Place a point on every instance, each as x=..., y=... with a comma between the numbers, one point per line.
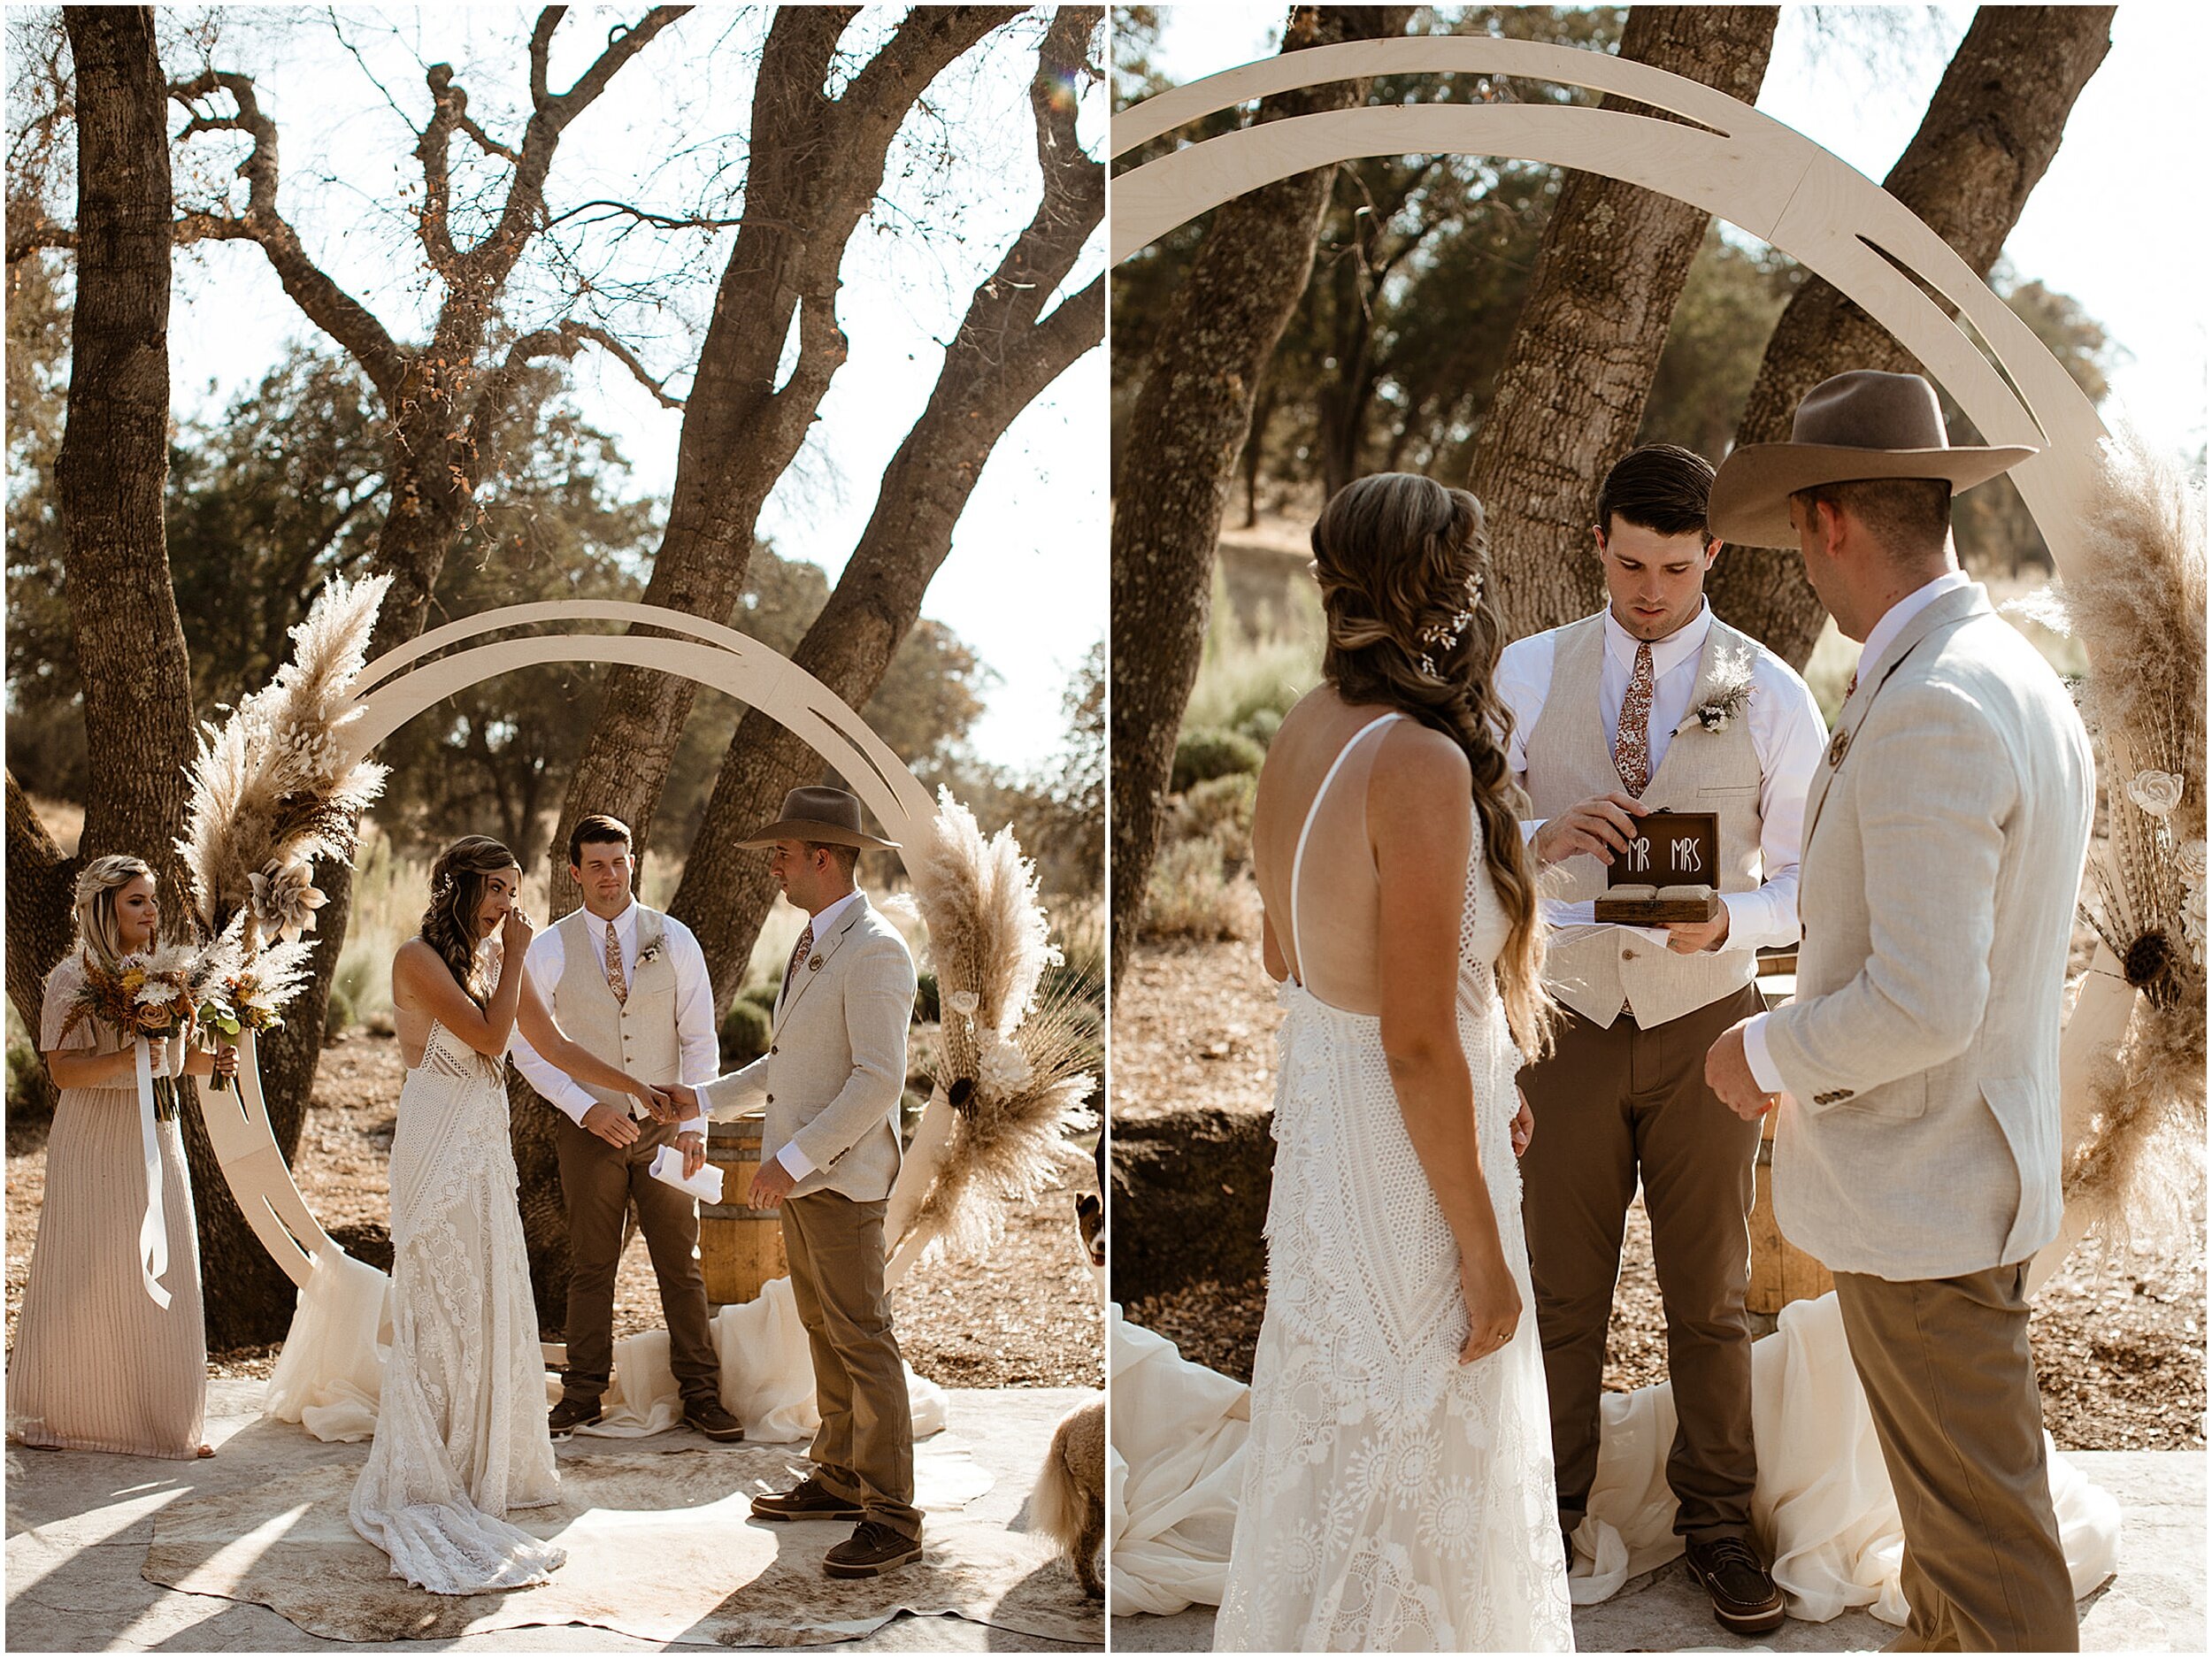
x=393, y=689
x=1735, y=162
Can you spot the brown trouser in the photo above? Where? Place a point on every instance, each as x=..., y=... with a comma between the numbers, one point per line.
x=863, y=1451
x=599, y=1183
x=1948, y=1376
x=1609, y=1105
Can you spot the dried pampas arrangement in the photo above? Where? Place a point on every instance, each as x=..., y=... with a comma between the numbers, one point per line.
x=2136, y=600
x=272, y=788
x=1015, y=1070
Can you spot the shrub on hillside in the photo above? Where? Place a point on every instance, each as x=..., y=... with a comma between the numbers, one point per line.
x=1208, y=752
x=1190, y=895
x=1221, y=810
x=744, y=1034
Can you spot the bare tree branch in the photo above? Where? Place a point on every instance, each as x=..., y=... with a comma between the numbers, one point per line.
x=26, y=235
x=336, y=312
x=644, y=215
x=449, y=103
x=485, y=141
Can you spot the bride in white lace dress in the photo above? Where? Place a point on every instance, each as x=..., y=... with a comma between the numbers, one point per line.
x=1398, y=1487
x=461, y=1435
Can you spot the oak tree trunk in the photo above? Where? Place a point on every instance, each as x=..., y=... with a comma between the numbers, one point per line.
x=999, y=362
x=1193, y=412
x=1579, y=367
x=1988, y=136
x=815, y=165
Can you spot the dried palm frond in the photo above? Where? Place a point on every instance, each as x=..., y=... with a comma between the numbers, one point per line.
x=1017, y=1071
x=1012, y=1144
x=988, y=934
x=272, y=788
x=2136, y=600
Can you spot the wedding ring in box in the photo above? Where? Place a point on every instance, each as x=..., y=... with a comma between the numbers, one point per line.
x=1666, y=873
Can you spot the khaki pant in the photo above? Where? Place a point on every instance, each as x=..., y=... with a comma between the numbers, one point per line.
x=1948, y=1377
x=599, y=1182
x=863, y=1451
x=1611, y=1105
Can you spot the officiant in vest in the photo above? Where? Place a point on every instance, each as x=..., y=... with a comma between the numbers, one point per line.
x=629, y=984
x=1654, y=704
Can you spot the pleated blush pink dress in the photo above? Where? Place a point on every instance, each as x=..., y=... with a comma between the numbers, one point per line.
x=96, y=1365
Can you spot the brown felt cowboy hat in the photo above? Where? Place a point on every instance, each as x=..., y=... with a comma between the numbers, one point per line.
x=826, y=815
x=1859, y=425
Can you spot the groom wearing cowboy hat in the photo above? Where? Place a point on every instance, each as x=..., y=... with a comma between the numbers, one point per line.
x=831, y=1082
x=1917, y=1152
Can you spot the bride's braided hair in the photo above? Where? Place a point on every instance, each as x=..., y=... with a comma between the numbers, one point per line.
x=1402, y=560
x=456, y=892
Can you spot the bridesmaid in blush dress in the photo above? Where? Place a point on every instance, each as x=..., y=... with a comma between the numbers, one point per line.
x=97, y=1364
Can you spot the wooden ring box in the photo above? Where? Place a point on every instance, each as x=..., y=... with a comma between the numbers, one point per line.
x=1665, y=874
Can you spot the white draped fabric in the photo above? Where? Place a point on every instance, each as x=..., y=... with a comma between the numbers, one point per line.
x=329, y=1376
x=1823, y=1498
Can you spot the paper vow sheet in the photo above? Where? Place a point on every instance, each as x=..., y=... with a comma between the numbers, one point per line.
x=706, y=1186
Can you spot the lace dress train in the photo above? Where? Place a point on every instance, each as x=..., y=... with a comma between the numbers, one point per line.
x=1393, y=1499
x=461, y=1435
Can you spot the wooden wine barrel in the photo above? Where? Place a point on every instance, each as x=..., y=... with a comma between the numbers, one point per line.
x=1780, y=1271
x=740, y=1248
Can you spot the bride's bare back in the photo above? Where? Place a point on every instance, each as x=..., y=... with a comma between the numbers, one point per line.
x=1330, y=940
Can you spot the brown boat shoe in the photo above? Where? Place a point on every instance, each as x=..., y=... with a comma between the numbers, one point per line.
x=871, y=1550
x=571, y=1414
x=708, y=1416
x=809, y=1500
x=1745, y=1599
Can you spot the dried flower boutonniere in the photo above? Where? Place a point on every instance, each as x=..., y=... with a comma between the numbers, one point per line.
x=1727, y=694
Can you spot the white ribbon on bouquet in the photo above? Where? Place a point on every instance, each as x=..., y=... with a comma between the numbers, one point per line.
x=153, y=1230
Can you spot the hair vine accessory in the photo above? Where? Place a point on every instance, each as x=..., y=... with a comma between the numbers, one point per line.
x=1445, y=635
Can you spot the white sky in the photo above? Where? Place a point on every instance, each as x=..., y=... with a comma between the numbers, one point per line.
x=1025, y=582
x=2108, y=223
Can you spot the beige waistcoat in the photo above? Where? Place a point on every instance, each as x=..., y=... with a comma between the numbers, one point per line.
x=639, y=1034
x=1593, y=969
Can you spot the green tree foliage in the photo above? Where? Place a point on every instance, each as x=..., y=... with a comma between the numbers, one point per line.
x=1058, y=812
x=1735, y=293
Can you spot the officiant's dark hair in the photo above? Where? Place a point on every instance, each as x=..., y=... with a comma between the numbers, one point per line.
x=1662, y=487
x=595, y=829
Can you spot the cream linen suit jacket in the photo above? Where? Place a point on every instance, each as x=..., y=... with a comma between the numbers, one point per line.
x=836, y=1069
x=1943, y=853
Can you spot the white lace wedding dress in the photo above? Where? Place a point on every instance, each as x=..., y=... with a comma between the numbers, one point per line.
x=1393, y=1499
x=461, y=1433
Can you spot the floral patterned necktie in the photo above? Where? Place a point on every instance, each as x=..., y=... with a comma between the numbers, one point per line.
x=1632, y=744
x=615, y=981
x=798, y=955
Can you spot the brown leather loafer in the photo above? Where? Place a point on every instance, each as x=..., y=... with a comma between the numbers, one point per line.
x=710, y=1419
x=1745, y=1599
x=809, y=1500
x=871, y=1550
x=571, y=1414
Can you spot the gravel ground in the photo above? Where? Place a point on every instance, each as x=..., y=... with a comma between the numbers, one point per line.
x=1026, y=1316
x=2119, y=1343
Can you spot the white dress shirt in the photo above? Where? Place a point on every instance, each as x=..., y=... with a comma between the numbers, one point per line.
x=701, y=1052
x=1786, y=733
x=1892, y=621
x=799, y=1164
